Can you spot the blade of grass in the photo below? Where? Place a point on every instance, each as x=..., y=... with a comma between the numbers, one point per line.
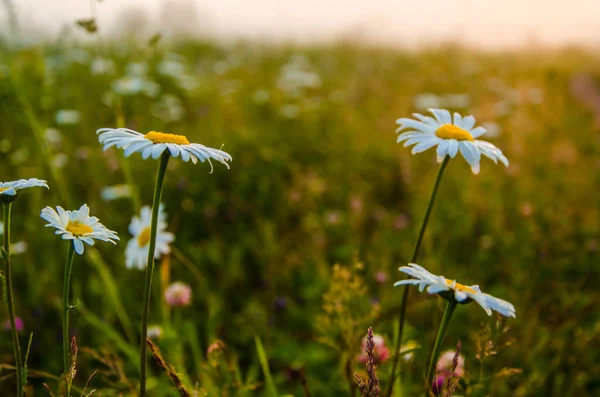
x=264, y=363
x=121, y=343
x=113, y=293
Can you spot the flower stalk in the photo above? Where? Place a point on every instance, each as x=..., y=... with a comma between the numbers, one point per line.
x=66, y=309
x=6, y=209
x=415, y=254
x=160, y=176
x=435, y=352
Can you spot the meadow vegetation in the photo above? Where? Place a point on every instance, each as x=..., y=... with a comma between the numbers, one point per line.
x=291, y=255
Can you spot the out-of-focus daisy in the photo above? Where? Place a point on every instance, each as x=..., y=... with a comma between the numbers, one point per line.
x=456, y=100
x=173, y=65
x=155, y=143
x=133, y=85
x=100, y=66
x=20, y=247
x=296, y=77
x=60, y=160
x=178, y=294
x=450, y=136
x=136, y=253
x=261, y=96
x=139, y=69
x=110, y=193
x=492, y=128
x=53, y=137
x=451, y=290
x=67, y=117
x=168, y=108
x=291, y=111
x=78, y=226
x=155, y=332
x=426, y=101
x=13, y=187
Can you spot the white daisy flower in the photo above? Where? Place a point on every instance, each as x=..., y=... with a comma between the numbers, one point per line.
x=78, y=226
x=136, y=253
x=155, y=143
x=449, y=289
x=10, y=190
x=450, y=136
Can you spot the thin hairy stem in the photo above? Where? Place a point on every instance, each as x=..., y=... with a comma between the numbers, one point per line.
x=413, y=259
x=435, y=352
x=10, y=300
x=66, y=309
x=160, y=176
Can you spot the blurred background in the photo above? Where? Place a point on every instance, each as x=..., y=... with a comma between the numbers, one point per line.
x=294, y=250
x=481, y=23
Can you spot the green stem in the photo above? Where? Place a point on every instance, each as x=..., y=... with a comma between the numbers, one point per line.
x=66, y=308
x=438, y=343
x=10, y=300
x=413, y=259
x=160, y=176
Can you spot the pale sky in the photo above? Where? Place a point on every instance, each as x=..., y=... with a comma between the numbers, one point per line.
x=488, y=23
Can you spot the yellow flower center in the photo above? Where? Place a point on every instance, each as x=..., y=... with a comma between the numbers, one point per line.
x=450, y=131
x=162, y=137
x=78, y=229
x=144, y=237
x=461, y=287
x=3, y=189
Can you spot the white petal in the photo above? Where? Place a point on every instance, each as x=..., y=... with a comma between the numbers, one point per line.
x=442, y=149
x=412, y=124
x=138, y=146
x=442, y=115
x=174, y=149
x=78, y=246
x=477, y=132
x=437, y=288
x=147, y=151
x=424, y=145
x=460, y=296
x=467, y=123
x=469, y=152
x=452, y=147
x=458, y=120
x=158, y=149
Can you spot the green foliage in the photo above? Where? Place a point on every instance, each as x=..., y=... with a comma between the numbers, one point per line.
x=316, y=179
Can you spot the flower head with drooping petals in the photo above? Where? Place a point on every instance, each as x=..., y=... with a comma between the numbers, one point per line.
x=78, y=226
x=136, y=253
x=450, y=289
x=155, y=143
x=449, y=135
x=9, y=190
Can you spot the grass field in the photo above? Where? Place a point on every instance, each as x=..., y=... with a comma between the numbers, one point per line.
x=292, y=253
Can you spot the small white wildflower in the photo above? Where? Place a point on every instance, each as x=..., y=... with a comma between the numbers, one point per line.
x=155, y=143
x=78, y=226
x=450, y=136
x=136, y=253
x=450, y=289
